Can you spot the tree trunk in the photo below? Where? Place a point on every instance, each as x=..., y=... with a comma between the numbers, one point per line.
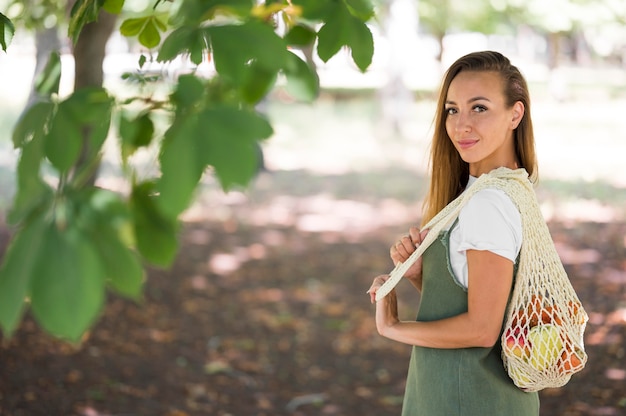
x=89, y=53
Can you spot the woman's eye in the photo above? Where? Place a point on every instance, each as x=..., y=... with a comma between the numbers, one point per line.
x=450, y=111
x=479, y=108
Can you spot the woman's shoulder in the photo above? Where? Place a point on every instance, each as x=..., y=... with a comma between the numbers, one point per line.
x=491, y=201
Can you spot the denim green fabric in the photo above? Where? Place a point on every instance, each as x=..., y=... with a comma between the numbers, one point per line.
x=463, y=381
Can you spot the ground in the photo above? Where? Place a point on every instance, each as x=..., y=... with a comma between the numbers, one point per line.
x=265, y=313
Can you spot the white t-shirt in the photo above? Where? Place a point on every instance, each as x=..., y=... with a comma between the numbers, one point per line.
x=489, y=221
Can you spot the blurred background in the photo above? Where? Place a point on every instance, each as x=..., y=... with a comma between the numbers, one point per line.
x=265, y=312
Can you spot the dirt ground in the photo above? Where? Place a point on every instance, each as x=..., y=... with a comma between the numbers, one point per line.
x=267, y=319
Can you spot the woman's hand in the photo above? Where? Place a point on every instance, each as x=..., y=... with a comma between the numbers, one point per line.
x=403, y=248
x=386, y=308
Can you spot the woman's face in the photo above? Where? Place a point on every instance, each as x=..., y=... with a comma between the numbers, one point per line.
x=479, y=123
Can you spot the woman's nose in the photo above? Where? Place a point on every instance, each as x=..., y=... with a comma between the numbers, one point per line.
x=462, y=122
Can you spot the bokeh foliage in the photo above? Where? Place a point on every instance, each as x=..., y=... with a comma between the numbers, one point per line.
x=73, y=239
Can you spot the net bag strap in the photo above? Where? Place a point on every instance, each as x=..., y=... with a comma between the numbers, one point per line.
x=498, y=178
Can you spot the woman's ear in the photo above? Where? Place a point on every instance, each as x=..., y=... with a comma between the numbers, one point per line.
x=517, y=114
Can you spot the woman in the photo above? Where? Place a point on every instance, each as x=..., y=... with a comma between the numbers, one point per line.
x=465, y=277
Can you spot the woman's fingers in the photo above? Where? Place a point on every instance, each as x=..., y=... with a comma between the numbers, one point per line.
x=376, y=284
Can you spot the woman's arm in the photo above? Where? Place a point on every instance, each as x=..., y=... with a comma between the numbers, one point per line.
x=490, y=281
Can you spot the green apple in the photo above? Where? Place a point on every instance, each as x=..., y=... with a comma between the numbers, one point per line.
x=546, y=346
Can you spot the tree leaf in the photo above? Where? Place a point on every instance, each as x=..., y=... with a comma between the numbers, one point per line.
x=363, y=9
x=302, y=81
x=86, y=108
x=235, y=45
x=361, y=44
x=231, y=143
x=315, y=9
x=87, y=105
x=113, y=6
x=16, y=273
x=122, y=267
x=189, y=91
x=135, y=133
x=343, y=29
x=181, y=165
x=64, y=140
x=133, y=26
x=300, y=35
x=258, y=84
x=156, y=234
x=83, y=12
x=47, y=82
x=32, y=192
x=68, y=283
x=191, y=12
x=7, y=30
x=191, y=40
x=149, y=35
x=334, y=34
x=34, y=121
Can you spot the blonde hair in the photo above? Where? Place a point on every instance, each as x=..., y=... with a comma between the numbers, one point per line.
x=448, y=172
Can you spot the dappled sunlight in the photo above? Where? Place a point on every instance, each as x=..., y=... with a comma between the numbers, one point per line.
x=582, y=210
x=570, y=255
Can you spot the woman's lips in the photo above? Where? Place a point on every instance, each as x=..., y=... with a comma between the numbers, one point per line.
x=466, y=144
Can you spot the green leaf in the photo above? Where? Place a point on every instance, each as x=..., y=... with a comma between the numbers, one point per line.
x=16, y=273
x=113, y=6
x=135, y=133
x=68, y=283
x=334, y=34
x=231, y=143
x=363, y=9
x=161, y=25
x=7, y=30
x=149, y=35
x=133, y=26
x=181, y=162
x=191, y=12
x=86, y=110
x=302, y=81
x=189, y=91
x=300, y=35
x=34, y=121
x=64, y=139
x=87, y=105
x=343, y=29
x=47, y=83
x=361, y=44
x=156, y=234
x=191, y=40
x=258, y=84
x=315, y=9
x=122, y=268
x=234, y=46
x=83, y=12
x=33, y=194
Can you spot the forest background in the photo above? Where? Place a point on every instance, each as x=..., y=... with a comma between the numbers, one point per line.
x=263, y=310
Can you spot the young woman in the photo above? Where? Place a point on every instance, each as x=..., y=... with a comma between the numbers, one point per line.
x=465, y=277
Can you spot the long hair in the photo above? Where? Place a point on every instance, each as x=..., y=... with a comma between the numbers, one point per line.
x=448, y=172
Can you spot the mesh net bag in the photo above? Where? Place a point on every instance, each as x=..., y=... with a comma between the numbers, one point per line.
x=542, y=340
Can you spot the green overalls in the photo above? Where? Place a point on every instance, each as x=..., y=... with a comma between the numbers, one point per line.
x=457, y=382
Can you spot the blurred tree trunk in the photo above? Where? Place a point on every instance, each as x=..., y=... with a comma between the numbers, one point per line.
x=46, y=42
x=89, y=53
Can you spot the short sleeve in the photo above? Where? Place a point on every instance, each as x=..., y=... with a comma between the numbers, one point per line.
x=489, y=221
